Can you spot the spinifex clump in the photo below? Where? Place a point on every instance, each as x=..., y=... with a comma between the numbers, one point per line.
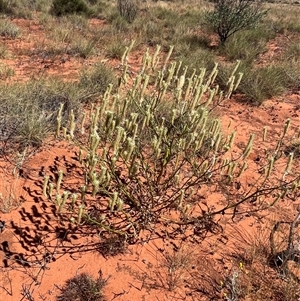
x=154, y=146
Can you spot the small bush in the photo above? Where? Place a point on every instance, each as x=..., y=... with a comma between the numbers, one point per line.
x=82, y=47
x=5, y=7
x=9, y=29
x=98, y=79
x=292, y=52
x=83, y=288
x=231, y=16
x=247, y=45
x=24, y=122
x=65, y=7
x=202, y=58
x=128, y=9
x=6, y=71
x=118, y=22
x=115, y=50
x=262, y=83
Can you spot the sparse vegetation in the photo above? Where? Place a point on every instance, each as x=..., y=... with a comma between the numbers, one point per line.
x=142, y=163
x=247, y=45
x=98, y=79
x=6, y=71
x=83, y=287
x=261, y=83
x=65, y=7
x=9, y=29
x=128, y=9
x=5, y=7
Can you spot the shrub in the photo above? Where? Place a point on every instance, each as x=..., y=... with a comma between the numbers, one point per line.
x=231, y=16
x=97, y=79
x=247, y=45
x=292, y=52
x=115, y=49
x=27, y=123
x=128, y=9
x=259, y=84
x=81, y=47
x=118, y=22
x=83, y=287
x=201, y=58
x=151, y=152
x=64, y=7
x=5, y=8
x=9, y=29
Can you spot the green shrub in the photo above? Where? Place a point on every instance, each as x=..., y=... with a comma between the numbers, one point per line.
x=64, y=7
x=115, y=50
x=162, y=132
x=231, y=16
x=128, y=9
x=26, y=122
x=97, y=79
x=262, y=83
x=5, y=8
x=9, y=29
x=247, y=45
x=81, y=47
x=202, y=58
x=118, y=22
x=149, y=153
x=292, y=52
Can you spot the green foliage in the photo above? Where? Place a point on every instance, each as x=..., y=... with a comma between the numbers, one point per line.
x=292, y=52
x=115, y=50
x=97, y=79
x=201, y=58
x=25, y=122
x=81, y=47
x=6, y=71
x=118, y=22
x=64, y=7
x=231, y=16
x=247, y=45
x=259, y=84
x=5, y=7
x=128, y=9
x=150, y=150
x=9, y=29
x=83, y=287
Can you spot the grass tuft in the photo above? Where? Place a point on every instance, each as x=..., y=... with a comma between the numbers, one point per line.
x=9, y=29
x=83, y=287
